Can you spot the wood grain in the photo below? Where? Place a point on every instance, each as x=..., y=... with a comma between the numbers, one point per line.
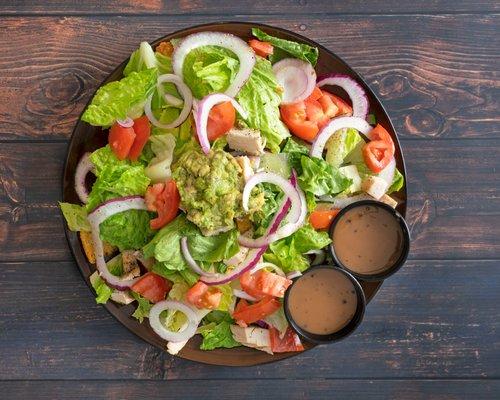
x=436, y=75
x=317, y=389
x=211, y=7
x=432, y=319
x=454, y=207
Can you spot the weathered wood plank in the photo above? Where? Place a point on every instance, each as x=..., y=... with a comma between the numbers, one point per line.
x=437, y=75
x=211, y=7
x=454, y=207
x=317, y=389
x=432, y=319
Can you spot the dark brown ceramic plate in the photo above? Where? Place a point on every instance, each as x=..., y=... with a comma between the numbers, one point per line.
x=88, y=138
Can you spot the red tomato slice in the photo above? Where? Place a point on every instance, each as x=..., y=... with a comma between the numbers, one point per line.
x=380, y=133
x=220, y=120
x=262, y=49
x=314, y=111
x=271, y=284
x=377, y=155
x=343, y=107
x=295, y=117
x=120, y=140
x=329, y=108
x=152, y=287
x=248, y=283
x=316, y=94
x=321, y=219
x=164, y=198
x=204, y=296
x=289, y=342
x=142, y=131
x=256, y=311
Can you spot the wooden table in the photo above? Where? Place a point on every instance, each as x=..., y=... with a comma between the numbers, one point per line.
x=431, y=332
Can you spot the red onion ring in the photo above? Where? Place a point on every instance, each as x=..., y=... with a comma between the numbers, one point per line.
x=96, y=217
x=82, y=169
x=296, y=77
x=126, y=123
x=203, y=110
x=333, y=126
x=185, y=333
x=357, y=94
x=238, y=46
x=186, y=94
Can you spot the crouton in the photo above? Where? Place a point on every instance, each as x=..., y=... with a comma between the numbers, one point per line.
x=389, y=201
x=374, y=186
x=88, y=247
x=246, y=166
x=246, y=140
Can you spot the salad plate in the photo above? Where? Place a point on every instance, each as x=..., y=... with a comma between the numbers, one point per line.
x=86, y=138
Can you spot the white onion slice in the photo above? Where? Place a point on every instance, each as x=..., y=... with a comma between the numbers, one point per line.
x=186, y=332
x=243, y=295
x=272, y=266
x=357, y=94
x=82, y=169
x=203, y=110
x=99, y=215
x=186, y=94
x=238, y=46
x=319, y=256
x=296, y=77
x=293, y=275
x=333, y=126
x=341, y=202
x=126, y=123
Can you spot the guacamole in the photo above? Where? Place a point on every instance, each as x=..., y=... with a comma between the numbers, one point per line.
x=211, y=189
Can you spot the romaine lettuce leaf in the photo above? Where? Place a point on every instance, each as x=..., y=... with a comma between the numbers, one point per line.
x=340, y=144
x=217, y=335
x=288, y=48
x=261, y=218
x=295, y=151
x=320, y=178
x=103, y=291
x=143, y=307
x=116, y=100
x=227, y=297
x=214, y=248
x=288, y=253
x=141, y=59
x=76, y=217
x=397, y=182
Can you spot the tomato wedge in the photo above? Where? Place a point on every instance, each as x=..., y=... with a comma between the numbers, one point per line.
x=120, y=140
x=204, y=296
x=163, y=198
x=343, y=108
x=289, y=342
x=295, y=117
x=377, y=155
x=264, y=283
x=380, y=133
x=142, y=130
x=152, y=287
x=220, y=120
x=248, y=314
x=321, y=219
x=262, y=49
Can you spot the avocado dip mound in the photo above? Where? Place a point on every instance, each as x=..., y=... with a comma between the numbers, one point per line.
x=210, y=187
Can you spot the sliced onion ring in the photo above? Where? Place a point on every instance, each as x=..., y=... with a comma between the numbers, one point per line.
x=186, y=94
x=126, y=123
x=238, y=46
x=185, y=333
x=293, y=274
x=243, y=295
x=357, y=94
x=203, y=110
x=82, y=169
x=272, y=266
x=296, y=77
x=319, y=256
x=99, y=215
x=333, y=126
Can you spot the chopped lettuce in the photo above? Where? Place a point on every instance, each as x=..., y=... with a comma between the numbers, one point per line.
x=227, y=297
x=397, y=182
x=320, y=178
x=143, y=307
x=174, y=320
x=103, y=291
x=119, y=99
x=286, y=48
x=261, y=218
x=295, y=151
x=340, y=144
x=217, y=335
x=278, y=321
x=288, y=253
x=162, y=146
x=76, y=217
x=260, y=98
x=143, y=58
x=214, y=248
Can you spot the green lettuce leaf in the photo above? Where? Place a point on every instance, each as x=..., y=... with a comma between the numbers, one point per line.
x=288, y=48
x=397, y=182
x=272, y=201
x=260, y=98
x=288, y=253
x=143, y=307
x=340, y=144
x=141, y=59
x=217, y=335
x=119, y=99
x=278, y=321
x=320, y=178
x=227, y=297
x=295, y=151
x=76, y=217
x=214, y=248
x=103, y=291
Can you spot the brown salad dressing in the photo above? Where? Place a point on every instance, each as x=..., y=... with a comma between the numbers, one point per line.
x=367, y=239
x=323, y=301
